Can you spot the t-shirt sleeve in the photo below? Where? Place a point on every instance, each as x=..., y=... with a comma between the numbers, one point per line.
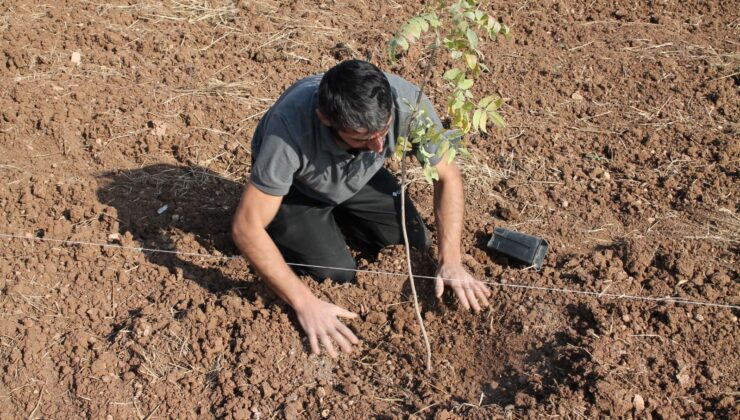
x=277, y=159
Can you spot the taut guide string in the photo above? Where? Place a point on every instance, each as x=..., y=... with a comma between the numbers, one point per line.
x=666, y=299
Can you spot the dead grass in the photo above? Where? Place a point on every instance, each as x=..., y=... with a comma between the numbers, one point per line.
x=239, y=90
x=721, y=225
x=190, y=11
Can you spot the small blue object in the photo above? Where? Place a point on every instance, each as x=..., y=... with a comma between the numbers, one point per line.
x=526, y=248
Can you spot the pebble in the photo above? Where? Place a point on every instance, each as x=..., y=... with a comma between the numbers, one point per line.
x=638, y=402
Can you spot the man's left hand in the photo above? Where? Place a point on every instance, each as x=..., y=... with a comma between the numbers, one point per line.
x=470, y=292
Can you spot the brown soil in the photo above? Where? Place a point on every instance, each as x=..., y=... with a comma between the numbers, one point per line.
x=622, y=150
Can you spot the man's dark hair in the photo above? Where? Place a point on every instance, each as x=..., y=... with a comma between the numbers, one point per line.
x=356, y=95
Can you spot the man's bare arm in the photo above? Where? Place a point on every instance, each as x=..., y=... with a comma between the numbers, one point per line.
x=256, y=210
x=449, y=209
x=318, y=318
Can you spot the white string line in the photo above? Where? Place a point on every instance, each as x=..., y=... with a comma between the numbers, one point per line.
x=667, y=299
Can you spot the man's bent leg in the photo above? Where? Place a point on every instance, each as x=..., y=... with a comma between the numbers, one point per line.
x=306, y=234
x=373, y=215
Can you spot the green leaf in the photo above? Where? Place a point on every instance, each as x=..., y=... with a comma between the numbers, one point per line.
x=476, y=119
x=452, y=74
x=430, y=173
x=400, y=143
x=483, y=122
x=412, y=30
x=423, y=152
x=486, y=101
x=423, y=22
x=505, y=30
x=472, y=61
x=432, y=19
x=472, y=38
x=488, y=22
x=457, y=104
x=465, y=84
x=495, y=104
x=402, y=43
x=443, y=148
x=496, y=118
x=451, y=155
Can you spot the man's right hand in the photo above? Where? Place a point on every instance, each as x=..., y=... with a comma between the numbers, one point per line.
x=319, y=321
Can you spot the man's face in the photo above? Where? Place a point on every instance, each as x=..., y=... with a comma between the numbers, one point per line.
x=361, y=140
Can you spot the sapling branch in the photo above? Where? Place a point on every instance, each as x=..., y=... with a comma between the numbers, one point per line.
x=413, y=117
x=454, y=27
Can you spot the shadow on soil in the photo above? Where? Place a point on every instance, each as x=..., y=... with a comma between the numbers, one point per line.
x=168, y=207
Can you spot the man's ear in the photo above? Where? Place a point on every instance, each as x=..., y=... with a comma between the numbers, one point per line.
x=323, y=118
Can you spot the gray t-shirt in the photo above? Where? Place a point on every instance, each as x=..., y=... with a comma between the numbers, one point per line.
x=291, y=147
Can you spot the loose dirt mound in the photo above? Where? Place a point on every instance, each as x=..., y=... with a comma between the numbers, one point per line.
x=129, y=125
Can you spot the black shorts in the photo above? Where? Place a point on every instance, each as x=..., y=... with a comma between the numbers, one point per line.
x=308, y=231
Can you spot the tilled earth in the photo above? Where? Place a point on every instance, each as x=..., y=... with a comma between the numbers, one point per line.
x=621, y=149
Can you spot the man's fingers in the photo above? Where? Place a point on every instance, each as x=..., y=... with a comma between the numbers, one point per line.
x=486, y=290
x=343, y=343
x=314, y=341
x=348, y=333
x=326, y=342
x=460, y=292
x=483, y=293
x=470, y=294
x=439, y=287
x=345, y=313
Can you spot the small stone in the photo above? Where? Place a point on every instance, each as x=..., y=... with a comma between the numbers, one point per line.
x=114, y=237
x=267, y=390
x=606, y=176
x=576, y=96
x=353, y=390
x=377, y=318
x=699, y=317
x=76, y=58
x=142, y=328
x=638, y=402
x=564, y=204
x=626, y=318
x=713, y=373
x=683, y=378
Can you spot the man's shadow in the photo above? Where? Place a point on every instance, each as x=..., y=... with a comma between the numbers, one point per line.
x=183, y=209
